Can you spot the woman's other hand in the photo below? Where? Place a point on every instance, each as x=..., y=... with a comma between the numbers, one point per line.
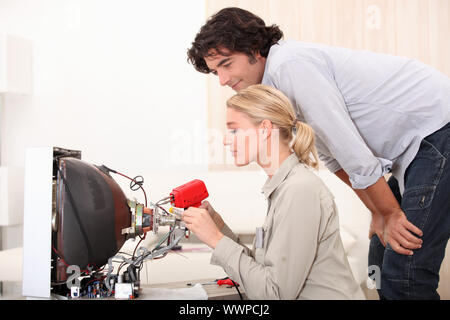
x=200, y=222
x=213, y=213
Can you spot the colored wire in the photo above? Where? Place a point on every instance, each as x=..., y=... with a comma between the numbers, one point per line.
x=120, y=267
x=93, y=280
x=133, y=183
x=61, y=258
x=142, y=238
x=138, y=183
x=166, y=212
x=163, y=239
x=235, y=285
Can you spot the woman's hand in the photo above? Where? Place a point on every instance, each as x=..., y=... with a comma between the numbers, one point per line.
x=213, y=213
x=200, y=222
x=398, y=233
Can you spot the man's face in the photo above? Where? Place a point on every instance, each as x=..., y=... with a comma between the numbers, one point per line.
x=237, y=70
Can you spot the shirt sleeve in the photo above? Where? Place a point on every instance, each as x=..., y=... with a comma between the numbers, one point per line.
x=326, y=157
x=226, y=231
x=311, y=87
x=289, y=253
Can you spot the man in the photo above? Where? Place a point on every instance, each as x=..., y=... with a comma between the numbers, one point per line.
x=373, y=114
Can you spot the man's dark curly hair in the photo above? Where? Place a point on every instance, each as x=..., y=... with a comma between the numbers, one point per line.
x=236, y=30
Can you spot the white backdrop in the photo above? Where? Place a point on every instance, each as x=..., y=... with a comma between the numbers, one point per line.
x=111, y=78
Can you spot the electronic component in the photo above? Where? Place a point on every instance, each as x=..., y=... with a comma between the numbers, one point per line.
x=89, y=221
x=75, y=292
x=124, y=291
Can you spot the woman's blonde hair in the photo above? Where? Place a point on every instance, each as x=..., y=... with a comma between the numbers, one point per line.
x=260, y=102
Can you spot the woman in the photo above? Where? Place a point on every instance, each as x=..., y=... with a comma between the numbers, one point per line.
x=298, y=252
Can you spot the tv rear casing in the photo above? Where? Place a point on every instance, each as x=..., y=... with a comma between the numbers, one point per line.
x=37, y=223
x=91, y=213
x=74, y=213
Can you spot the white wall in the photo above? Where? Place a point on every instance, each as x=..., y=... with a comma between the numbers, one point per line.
x=110, y=78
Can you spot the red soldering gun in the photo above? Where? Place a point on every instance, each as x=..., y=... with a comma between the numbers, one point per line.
x=189, y=194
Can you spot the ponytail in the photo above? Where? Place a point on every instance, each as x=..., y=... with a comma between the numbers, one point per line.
x=303, y=144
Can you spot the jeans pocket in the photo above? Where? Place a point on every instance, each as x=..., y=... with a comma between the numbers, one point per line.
x=425, y=171
x=433, y=149
x=418, y=198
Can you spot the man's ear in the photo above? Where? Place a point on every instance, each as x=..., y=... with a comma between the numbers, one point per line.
x=256, y=54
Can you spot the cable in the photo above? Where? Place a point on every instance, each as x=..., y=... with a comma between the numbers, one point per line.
x=61, y=258
x=136, y=181
x=142, y=238
x=235, y=285
x=163, y=239
x=165, y=200
x=120, y=267
x=167, y=213
x=132, y=256
x=121, y=252
x=95, y=279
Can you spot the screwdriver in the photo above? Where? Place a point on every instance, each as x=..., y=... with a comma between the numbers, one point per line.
x=220, y=282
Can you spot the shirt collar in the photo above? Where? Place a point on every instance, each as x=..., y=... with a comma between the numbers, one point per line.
x=280, y=175
x=272, y=49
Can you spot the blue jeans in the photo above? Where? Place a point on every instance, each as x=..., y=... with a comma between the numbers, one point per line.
x=426, y=204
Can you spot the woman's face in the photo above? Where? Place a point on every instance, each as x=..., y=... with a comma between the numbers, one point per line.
x=243, y=137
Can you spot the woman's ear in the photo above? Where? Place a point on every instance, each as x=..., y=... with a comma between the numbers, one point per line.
x=266, y=126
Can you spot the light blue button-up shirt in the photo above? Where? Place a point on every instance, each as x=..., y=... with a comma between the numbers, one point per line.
x=369, y=111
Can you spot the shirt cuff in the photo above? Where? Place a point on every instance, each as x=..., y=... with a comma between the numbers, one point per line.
x=362, y=182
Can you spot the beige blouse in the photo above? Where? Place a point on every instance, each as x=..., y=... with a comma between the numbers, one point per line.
x=298, y=252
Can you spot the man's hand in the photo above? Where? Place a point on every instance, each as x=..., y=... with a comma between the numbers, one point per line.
x=398, y=233
x=377, y=227
x=386, y=210
x=199, y=221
